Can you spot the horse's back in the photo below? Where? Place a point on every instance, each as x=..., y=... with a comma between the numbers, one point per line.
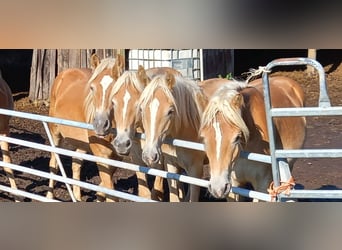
x=68, y=93
x=280, y=86
x=69, y=81
x=210, y=86
x=286, y=93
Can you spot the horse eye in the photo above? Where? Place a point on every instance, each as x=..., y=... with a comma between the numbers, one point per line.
x=237, y=139
x=170, y=112
x=92, y=87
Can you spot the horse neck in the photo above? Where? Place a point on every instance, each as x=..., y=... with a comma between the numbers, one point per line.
x=88, y=105
x=255, y=118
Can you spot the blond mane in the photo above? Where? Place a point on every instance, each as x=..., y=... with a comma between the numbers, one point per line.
x=128, y=77
x=220, y=103
x=89, y=107
x=184, y=96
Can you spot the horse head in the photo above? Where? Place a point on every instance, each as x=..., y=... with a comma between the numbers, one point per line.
x=223, y=131
x=125, y=95
x=105, y=74
x=157, y=109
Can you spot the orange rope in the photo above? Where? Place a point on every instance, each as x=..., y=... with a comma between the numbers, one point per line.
x=284, y=187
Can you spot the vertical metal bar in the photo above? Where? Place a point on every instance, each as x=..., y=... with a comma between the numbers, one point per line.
x=61, y=168
x=324, y=100
x=270, y=127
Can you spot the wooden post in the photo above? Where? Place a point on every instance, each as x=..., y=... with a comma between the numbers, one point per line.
x=47, y=63
x=312, y=53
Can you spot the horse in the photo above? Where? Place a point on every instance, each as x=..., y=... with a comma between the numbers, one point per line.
x=82, y=95
x=235, y=120
x=125, y=95
x=6, y=102
x=171, y=106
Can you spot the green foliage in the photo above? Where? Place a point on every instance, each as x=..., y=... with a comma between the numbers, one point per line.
x=229, y=76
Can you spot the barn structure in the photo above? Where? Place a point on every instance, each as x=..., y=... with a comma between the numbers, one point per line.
x=33, y=71
x=193, y=63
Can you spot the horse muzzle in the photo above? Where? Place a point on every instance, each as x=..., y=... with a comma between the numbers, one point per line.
x=219, y=187
x=122, y=145
x=102, y=125
x=150, y=156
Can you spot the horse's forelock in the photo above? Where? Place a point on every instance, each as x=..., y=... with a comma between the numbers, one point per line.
x=158, y=82
x=184, y=95
x=128, y=77
x=220, y=102
x=104, y=64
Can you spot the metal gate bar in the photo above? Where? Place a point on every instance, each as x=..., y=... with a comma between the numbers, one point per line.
x=71, y=181
x=125, y=165
x=22, y=193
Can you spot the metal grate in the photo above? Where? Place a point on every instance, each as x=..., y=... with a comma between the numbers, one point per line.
x=187, y=61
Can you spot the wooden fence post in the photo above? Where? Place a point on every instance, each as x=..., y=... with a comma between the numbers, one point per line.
x=312, y=53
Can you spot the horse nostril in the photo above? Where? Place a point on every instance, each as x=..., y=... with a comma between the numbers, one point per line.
x=155, y=158
x=128, y=143
x=107, y=124
x=227, y=188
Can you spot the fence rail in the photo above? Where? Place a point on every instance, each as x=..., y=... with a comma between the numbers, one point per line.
x=120, y=164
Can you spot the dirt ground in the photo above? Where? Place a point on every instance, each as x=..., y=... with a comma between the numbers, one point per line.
x=308, y=173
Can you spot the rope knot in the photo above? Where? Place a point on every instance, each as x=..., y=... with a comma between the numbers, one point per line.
x=285, y=187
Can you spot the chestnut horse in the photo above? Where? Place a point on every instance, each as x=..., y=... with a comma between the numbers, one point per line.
x=235, y=120
x=82, y=95
x=6, y=102
x=125, y=95
x=171, y=106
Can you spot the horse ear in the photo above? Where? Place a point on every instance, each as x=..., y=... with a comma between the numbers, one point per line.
x=94, y=61
x=142, y=75
x=118, y=67
x=237, y=101
x=170, y=80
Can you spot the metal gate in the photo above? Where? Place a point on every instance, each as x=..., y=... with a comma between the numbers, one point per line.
x=281, y=172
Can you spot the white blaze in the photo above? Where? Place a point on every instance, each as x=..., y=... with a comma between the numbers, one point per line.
x=105, y=82
x=218, y=138
x=126, y=99
x=154, y=105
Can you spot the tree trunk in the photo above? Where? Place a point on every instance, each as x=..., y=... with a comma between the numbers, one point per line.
x=47, y=63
